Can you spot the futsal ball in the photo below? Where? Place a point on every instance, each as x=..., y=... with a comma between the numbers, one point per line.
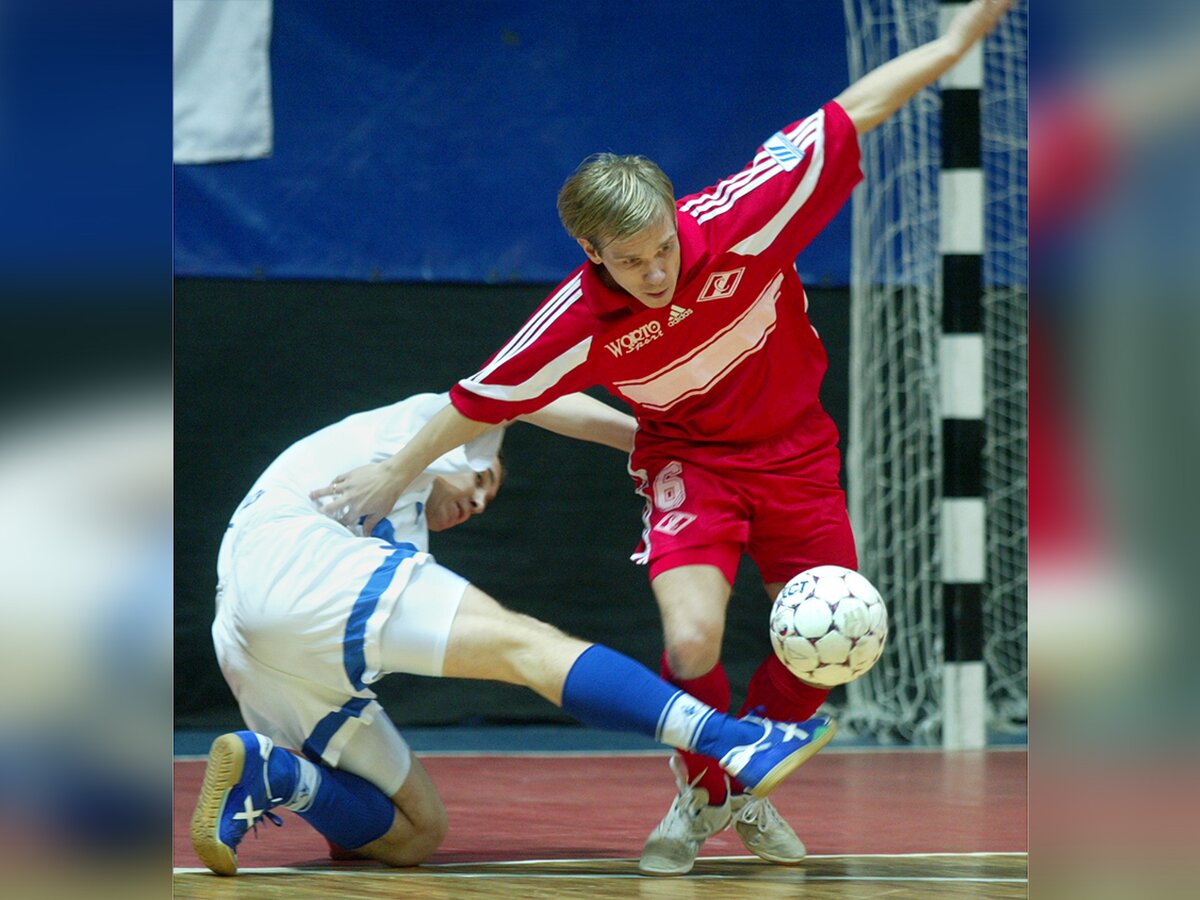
x=828, y=625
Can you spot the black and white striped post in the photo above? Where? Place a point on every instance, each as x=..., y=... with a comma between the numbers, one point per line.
x=964, y=556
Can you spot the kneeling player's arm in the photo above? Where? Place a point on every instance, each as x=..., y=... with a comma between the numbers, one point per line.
x=585, y=418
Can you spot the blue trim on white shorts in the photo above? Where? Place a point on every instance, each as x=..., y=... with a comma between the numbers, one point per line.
x=364, y=607
x=318, y=741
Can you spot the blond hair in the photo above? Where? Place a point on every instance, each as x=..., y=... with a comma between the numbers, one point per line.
x=611, y=197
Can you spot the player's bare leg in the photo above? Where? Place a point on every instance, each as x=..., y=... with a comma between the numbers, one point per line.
x=488, y=641
x=419, y=827
x=762, y=830
x=607, y=689
x=692, y=601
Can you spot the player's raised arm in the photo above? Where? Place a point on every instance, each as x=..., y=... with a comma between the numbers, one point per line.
x=583, y=417
x=370, y=492
x=883, y=90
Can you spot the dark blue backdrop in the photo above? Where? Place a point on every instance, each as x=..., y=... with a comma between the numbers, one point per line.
x=427, y=141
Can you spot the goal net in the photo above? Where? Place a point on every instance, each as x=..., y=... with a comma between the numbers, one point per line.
x=894, y=452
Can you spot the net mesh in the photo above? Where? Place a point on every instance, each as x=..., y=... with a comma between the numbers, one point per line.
x=894, y=453
x=1004, y=116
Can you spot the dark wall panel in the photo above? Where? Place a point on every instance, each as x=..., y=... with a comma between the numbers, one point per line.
x=260, y=364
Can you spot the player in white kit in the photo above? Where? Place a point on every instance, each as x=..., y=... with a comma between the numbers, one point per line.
x=310, y=613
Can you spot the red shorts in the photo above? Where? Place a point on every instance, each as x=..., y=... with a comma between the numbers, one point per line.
x=786, y=511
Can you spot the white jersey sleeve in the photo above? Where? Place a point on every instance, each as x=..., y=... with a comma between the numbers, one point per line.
x=368, y=437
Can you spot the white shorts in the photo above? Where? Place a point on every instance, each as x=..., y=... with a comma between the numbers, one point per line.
x=309, y=615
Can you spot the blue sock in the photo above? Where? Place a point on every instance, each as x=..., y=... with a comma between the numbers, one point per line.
x=348, y=810
x=606, y=689
x=283, y=770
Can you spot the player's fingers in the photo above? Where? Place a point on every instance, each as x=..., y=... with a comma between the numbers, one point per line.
x=329, y=490
x=369, y=523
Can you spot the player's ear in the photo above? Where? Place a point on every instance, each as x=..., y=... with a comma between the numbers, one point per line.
x=592, y=253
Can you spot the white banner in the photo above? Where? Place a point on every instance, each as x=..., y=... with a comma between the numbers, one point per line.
x=222, y=80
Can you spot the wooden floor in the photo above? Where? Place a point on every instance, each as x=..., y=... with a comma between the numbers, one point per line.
x=895, y=877
x=895, y=824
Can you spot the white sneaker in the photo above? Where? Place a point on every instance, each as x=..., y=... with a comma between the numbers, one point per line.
x=672, y=847
x=764, y=832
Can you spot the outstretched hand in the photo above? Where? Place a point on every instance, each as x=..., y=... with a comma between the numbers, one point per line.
x=976, y=19
x=361, y=496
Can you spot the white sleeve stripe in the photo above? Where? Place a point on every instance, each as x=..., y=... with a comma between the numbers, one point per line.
x=718, y=195
x=727, y=185
x=807, y=128
x=535, y=327
x=730, y=185
x=812, y=139
x=548, y=308
x=545, y=318
x=765, y=236
x=762, y=179
x=538, y=383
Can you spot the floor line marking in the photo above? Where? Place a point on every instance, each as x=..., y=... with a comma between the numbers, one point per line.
x=439, y=869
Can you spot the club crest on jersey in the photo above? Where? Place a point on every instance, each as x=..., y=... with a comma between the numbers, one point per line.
x=636, y=339
x=784, y=152
x=678, y=314
x=721, y=285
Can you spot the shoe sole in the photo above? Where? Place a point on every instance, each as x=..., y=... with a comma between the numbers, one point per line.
x=779, y=860
x=785, y=768
x=771, y=857
x=664, y=871
x=226, y=760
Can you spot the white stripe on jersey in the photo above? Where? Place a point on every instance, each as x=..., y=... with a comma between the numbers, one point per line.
x=762, y=160
x=763, y=238
x=538, y=383
x=805, y=134
x=704, y=201
x=534, y=328
x=765, y=175
x=706, y=365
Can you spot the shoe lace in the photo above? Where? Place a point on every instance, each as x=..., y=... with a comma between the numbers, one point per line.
x=685, y=813
x=251, y=815
x=270, y=817
x=680, y=773
x=760, y=813
x=687, y=789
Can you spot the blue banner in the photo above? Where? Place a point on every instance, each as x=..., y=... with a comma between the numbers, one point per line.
x=427, y=142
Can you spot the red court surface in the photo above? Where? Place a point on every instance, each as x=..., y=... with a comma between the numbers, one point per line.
x=561, y=806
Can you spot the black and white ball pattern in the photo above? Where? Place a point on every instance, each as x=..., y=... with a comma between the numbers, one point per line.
x=828, y=625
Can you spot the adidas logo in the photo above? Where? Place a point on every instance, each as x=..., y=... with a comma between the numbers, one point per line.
x=678, y=314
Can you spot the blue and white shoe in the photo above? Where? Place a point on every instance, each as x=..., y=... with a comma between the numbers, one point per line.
x=235, y=795
x=781, y=749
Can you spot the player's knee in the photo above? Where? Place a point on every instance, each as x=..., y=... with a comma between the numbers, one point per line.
x=694, y=652
x=417, y=845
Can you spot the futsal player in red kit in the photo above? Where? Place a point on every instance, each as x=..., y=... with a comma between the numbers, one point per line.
x=692, y=313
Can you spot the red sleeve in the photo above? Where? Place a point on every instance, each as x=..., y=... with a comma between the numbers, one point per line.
x=545, y=359
x=797, y=182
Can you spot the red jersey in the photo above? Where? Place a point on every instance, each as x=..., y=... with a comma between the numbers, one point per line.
x=733, y=358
